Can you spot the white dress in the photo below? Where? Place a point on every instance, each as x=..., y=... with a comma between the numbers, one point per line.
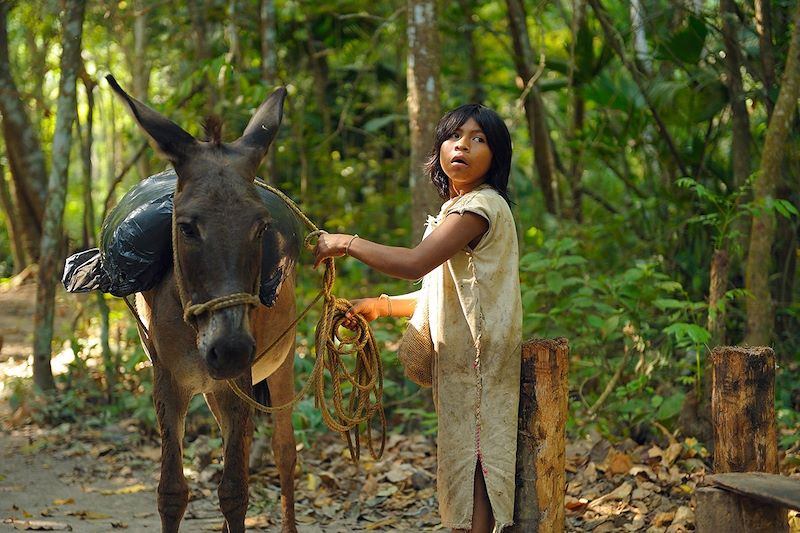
x=475, y=314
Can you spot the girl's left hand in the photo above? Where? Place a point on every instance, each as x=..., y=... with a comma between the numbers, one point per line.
x=330, y=245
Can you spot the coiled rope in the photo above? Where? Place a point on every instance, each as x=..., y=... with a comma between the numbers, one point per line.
x=332, y=346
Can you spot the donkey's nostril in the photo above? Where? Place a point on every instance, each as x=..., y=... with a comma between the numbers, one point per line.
x=230, y=356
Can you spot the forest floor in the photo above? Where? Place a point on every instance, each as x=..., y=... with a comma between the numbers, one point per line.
x=102, y=479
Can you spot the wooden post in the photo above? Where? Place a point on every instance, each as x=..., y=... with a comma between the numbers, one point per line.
x=745, y=440
x=541, y=438
x=723, y=511
x=743, y=409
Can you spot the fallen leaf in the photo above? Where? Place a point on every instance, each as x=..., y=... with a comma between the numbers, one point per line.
x=382, y=523
x=620, y=464
x=38, y=525
x=132, y=489
x=89, y=515
x=64, y=501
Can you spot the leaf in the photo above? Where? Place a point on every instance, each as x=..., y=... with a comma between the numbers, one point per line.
x=39, y=525
x=64, y=501
x=132, y=489
x=378, y=123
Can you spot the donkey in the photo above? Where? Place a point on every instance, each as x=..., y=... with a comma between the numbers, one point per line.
x=203, y=319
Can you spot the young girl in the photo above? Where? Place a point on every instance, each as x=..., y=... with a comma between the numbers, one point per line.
x=469, y=258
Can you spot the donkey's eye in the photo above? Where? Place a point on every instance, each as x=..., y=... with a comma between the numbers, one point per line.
x=187, y=230
x=261, y=229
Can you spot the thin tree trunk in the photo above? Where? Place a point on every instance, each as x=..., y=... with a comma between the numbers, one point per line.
x=51, y=256
x=269, y=69
x=717, y=286
x=140, y=70
x=87, y=139
x=424, y=109
x=762, y=232
x=538, y=131
x=741, y=120
x=578, y=116
x=25, y=157
x=472, y=56
x=14, y=232
x=640, y=37
x=766, y=50
x=202, y=52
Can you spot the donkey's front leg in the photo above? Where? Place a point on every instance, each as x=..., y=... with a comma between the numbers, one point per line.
x=171, y=404
x=235, y=421
x=281, y=392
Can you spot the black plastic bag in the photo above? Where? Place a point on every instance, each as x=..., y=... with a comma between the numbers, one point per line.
x=136, y=244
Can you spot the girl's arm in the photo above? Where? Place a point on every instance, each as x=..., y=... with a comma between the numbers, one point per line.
x=454, y=234
x=388, y=306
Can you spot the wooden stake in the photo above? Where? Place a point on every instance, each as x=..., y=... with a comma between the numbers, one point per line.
x=743, y=409
x=722, y=511
x=541, y=439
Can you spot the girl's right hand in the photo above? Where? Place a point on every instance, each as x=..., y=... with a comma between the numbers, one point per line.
x=368, y=308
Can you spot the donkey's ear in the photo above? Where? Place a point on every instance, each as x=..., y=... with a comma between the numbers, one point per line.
x=168, y=138
x=261, y=129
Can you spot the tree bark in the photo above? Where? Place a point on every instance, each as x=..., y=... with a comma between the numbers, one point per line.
x=743, y=409
x=424, y=108
x=741, y=120
x=269, y=69
x=538, y=131
x=476, y=94
x=140, y=69
x=14, y=231
x=766, y=54
x=718, y=284
x=25, y=157
x=541, y=441
x=762, y=232
x=51, y=255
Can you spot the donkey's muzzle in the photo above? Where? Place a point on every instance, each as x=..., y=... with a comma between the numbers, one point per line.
x=230, y=356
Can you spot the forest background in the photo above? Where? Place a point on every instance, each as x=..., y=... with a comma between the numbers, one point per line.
x=655, y=175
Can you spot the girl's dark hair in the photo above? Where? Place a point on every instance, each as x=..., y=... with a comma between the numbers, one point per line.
x=497, y=137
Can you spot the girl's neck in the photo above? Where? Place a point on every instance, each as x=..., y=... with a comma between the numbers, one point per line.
x=455, y=193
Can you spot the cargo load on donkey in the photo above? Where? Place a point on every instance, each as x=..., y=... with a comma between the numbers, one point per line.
x=136, y=244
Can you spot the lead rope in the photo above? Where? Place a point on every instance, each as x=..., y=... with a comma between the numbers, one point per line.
x=366, y=380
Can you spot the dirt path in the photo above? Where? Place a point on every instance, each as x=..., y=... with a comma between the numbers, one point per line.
x=101, y=480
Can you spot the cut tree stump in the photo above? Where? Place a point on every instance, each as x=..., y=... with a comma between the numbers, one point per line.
x=751, y=502
x=743, y=409
x=746, y=495
x=541, y=438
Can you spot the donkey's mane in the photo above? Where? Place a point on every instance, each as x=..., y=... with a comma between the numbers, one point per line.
x=213, y=128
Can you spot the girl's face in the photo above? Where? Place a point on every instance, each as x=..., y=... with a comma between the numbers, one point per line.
x=465, y=158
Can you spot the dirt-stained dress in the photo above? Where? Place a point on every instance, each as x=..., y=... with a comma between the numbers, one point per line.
x=475, y=315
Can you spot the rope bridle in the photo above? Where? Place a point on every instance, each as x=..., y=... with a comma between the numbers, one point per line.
x=365, y=381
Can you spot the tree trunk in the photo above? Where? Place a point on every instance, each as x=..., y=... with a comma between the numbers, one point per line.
x=538, y=131
x=718, y=284
x=51, y=256
x=269, y=69
x=140, y=69
x=541, y=442
x=741, y=120
x=578, y=116
x=14, y=231
x=424, y=109
x=766, y=50
x=762, y=232
x=743, y=410
x=472, y=56
x=25, y=157
x=87, y=139
x=640, y=37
